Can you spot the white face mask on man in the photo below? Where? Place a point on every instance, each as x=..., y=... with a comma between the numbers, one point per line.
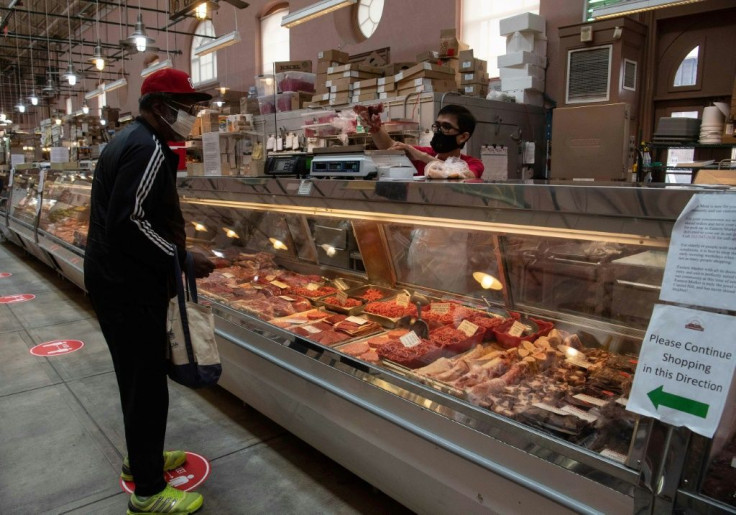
x=183, y=123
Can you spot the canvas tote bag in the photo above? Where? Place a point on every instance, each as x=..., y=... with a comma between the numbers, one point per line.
x=193, y=357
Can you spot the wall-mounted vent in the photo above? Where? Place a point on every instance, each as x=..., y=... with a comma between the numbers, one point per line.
x=589, y=75
x=629, y=77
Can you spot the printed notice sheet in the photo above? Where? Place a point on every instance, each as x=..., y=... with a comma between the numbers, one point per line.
x=685, y=368
x=211, y=153
x=701, y=262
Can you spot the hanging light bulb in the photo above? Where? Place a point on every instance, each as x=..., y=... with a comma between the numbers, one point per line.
x=85, y=107
x=33, y=98
x=103, y=121
x=21, y=107
x=201, y=11
x=98, y=58
x=3, y=116
x=139, y=38
x=70, y=74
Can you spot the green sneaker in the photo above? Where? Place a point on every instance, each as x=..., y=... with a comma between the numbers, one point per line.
x=168, y=500
x=172, y=460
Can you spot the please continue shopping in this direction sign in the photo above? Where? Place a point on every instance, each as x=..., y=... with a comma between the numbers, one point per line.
x=685, y=368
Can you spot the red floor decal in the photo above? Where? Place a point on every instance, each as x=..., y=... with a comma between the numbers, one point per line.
x=3, y=275
x=56, y=347
x=187, y=477
x=19, y=297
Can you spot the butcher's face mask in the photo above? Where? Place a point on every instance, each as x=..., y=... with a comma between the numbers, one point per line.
x=447, y=137
x=180, y=118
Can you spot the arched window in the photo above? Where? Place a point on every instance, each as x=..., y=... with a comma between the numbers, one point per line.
x=204, y=67
x=274, y=38
x=369, y=14
x=687, y=73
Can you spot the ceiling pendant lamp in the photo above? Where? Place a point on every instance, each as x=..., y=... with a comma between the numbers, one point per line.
x=139, y=37
x=85, y=107
x=70, y=74
x=33, y=97
x=97, y=58
x=49, y=90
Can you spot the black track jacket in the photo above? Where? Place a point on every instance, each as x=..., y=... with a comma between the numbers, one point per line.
x=135, y=220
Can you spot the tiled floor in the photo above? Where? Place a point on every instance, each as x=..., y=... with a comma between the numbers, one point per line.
x=61, y=440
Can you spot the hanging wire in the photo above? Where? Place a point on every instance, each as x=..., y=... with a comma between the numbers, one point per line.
x=17, y=53
x=30, y=51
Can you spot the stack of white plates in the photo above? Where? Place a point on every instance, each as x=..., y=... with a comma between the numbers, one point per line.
x=711, y=129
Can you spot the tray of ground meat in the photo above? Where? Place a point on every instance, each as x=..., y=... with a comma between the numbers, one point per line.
x=452, y=317
x=411, y=357
x=487, y=322
x=388, y=312
x=313, y=294
x=349, y=306
x=454, y=341
x=370, y=293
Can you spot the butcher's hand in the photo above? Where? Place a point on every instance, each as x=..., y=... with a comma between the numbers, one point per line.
x=202, y=266
x=412, y=153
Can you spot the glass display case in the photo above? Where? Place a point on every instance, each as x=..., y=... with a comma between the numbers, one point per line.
x=531, y=302
x=463, y=345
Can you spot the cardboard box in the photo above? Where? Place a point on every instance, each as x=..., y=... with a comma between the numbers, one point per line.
x=424, y=68
x=384, y=81
x=387, y=88
x=375, y=59
x=527, y=96
x=466, y=55
x=727, y=177
x=520, y=42
x=392, y=69
x=352, y=74
x=342, y=84
x=323, y=66
x=521, y=58
x=529, y=70
x=473, y=65
x=522, y=83
x=474, y=78
x=449, y=45
x=366, y=83
x=366, y=68
x=427, y=86
x=428, y=56
x=521, y=23
x=300, y=66
x=475, y=90
x=364, y=96
x=333, y=55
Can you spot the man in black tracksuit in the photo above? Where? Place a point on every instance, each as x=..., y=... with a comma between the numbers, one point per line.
x=136, y=229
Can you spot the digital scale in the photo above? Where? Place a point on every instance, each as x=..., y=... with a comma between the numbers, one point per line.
x=357, y=164
x=287, y=164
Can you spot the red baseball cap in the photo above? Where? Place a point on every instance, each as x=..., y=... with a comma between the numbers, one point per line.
x=174, y=82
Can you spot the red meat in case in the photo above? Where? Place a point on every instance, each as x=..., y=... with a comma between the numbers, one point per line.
x=453, y=341
x=412, y=357
x=509, y=341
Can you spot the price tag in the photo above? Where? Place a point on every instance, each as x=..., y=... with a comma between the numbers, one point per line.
x=286, y=298
x=588, y=417
x=469, y=328
x=410, y=340
x=305, y=188
x=623, y=401
x=311, y=329
x=279, y=284
x=614, y=455
x=340, y=284
x=342, y=297
x=590, y=399
x=402, y=300
x=357, y=320
x=579, y=362
x=257, y=287
x=517, y=329
x=312, y=286
x=228, y=275
x=270, y=277
x=440, y=307
x=550, y=408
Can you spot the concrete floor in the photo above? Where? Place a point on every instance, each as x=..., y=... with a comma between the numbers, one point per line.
x=61, y=431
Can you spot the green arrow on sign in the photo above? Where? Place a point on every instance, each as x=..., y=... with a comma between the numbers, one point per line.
x=659, y=397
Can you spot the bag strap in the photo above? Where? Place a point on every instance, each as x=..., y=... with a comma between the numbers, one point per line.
x=183, y=307
x=191, y=283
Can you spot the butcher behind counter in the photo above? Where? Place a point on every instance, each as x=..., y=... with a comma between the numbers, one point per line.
x=442, y=160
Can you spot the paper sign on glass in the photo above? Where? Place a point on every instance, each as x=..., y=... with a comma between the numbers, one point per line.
x=685, y=368
x=701, y=261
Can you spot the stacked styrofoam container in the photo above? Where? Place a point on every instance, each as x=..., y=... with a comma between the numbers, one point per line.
x=522, y=67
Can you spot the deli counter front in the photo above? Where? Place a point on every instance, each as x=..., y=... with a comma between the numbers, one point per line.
x=464, y=347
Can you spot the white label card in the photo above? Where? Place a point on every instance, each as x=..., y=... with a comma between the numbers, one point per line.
x=469, y=328
x=341, y=296
x=279, y=284
x=311, y=329
x=305, y=188
x=591, y=400
x=289, y=299
x=440, y=307
x=686, y=365
x=357, y=320
x=402, y=300
x=517, y=329
x=410, y=339
x=550, y=408
x=312, y=286
x=340, y=284
x=588, y=417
